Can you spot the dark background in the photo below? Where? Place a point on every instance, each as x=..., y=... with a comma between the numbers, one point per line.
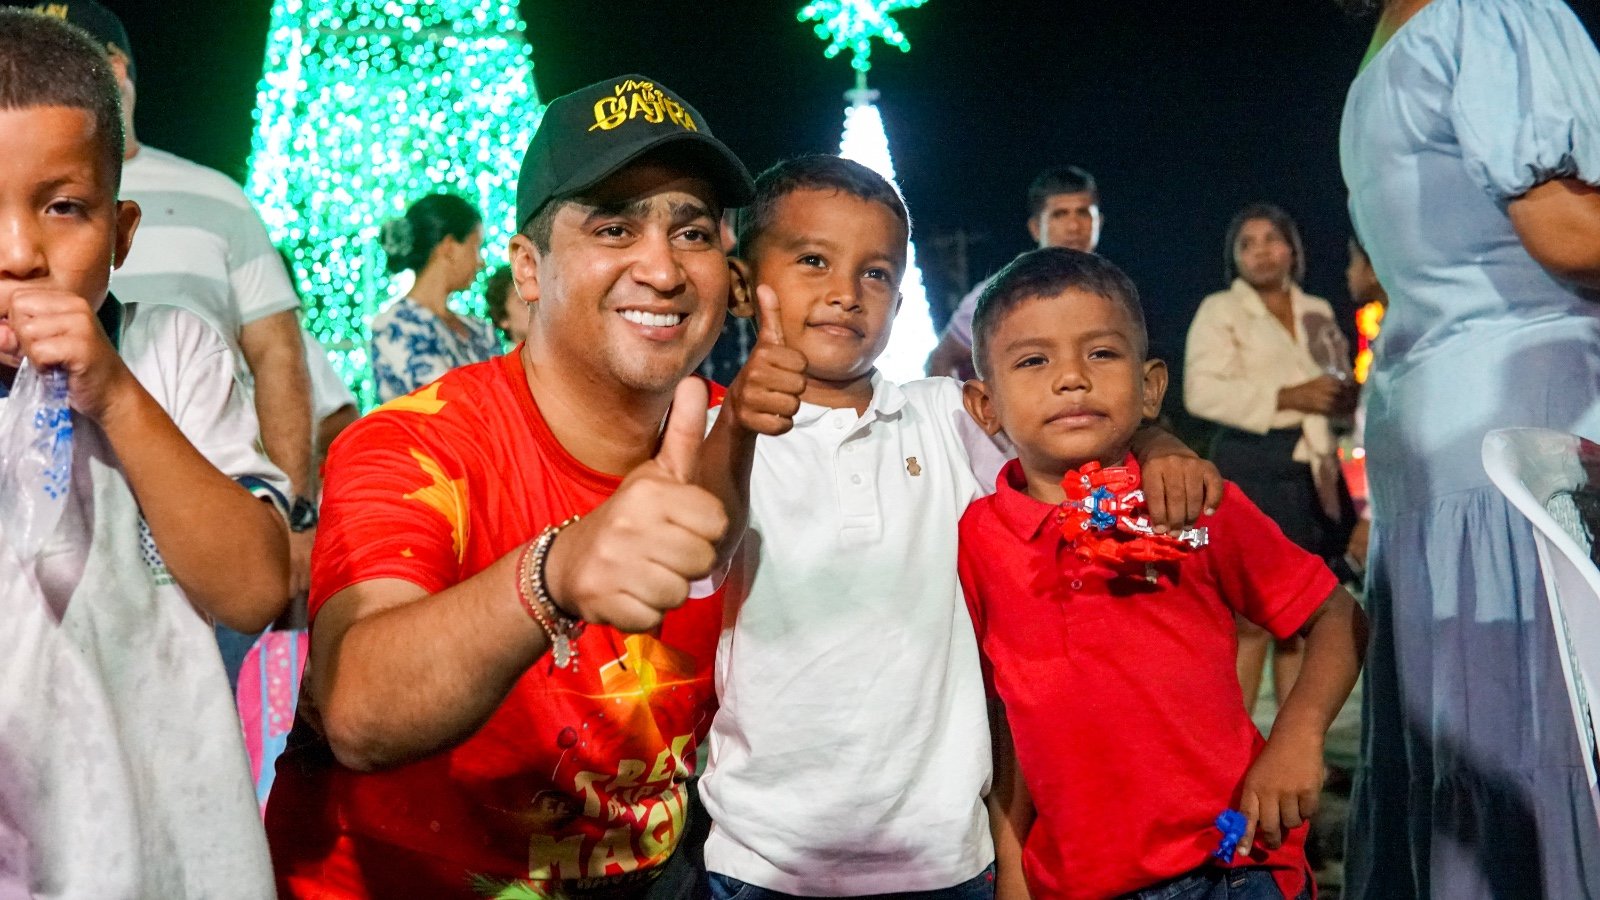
x=1184, y=111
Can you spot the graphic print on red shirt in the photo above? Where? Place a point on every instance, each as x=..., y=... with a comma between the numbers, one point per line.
x=580, y=773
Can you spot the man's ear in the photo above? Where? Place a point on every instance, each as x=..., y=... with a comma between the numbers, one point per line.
x=524, y=268
x=128, y=214
x=980, y=406
x=1033, y=229
x=1155, y=387
x=741, y=289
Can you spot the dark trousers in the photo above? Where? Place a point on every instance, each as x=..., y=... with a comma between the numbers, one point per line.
x=1263, y=467
x=1216, y=883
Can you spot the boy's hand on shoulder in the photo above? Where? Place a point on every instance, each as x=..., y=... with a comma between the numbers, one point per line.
x=1282, y=788
x=1178, y=487
x=59, y=329
x=766, y=393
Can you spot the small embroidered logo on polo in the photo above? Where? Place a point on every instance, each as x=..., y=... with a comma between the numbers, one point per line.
x=913, y=466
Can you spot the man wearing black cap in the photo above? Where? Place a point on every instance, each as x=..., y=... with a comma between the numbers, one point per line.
x=508, y=685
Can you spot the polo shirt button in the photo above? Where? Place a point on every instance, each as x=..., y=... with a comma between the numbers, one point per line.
x=1077, y=584
x=855, y=479
x=838, y=423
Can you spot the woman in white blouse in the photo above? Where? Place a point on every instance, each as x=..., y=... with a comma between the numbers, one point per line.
x=1267, y=363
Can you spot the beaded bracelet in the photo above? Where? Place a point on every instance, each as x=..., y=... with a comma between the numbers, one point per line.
x=561, y=629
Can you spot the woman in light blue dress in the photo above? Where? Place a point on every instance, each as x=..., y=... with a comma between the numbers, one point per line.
x=1469, y=142
x=419, y=337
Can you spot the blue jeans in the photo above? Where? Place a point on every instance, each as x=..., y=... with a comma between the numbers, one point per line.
x=1216, y=883
x=979, y=887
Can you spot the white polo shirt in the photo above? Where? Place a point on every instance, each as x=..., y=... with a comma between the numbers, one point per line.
x=851, y=754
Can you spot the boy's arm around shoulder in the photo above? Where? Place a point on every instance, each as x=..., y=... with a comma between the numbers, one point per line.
x=227, y=549
x=763, y=399
x=1178, y=485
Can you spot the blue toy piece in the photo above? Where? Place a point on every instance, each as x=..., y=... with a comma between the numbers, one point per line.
x=1231, y=823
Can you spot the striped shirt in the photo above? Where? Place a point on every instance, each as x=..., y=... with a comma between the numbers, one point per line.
x=200, y=246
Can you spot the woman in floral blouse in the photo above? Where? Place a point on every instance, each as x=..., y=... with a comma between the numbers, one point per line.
x=418, y=338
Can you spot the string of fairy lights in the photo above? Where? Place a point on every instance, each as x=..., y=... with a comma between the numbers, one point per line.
x=364, y=106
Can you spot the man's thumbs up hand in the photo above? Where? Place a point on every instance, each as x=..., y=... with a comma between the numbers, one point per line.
x=632, y=559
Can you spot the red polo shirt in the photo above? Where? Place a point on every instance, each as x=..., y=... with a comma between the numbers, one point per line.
x=1123, y=696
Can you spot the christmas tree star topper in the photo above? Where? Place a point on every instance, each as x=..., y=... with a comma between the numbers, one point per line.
x=852, y=24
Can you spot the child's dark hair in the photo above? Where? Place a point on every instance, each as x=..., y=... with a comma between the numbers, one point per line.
x=816, y=171
x=497, y=294
x=46, y=62
x=1280, y=220
x=409, y=240
x=1061, y=180
x=1048, y=272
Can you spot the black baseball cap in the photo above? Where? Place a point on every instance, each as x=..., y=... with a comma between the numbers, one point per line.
x=589, y=134
x=101, y=23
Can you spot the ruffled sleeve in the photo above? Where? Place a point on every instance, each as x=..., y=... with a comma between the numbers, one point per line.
x=1526, y=103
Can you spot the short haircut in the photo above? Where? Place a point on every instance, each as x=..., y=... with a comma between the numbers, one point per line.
x=1049, y=272
x=813, y=172
x=496, y=294
x=1059, y=180
x=46, y=62
x=543, y=223
x=409, y=241
x=1280, y=220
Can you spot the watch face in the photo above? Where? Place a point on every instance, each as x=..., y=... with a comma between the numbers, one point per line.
x=302, y=515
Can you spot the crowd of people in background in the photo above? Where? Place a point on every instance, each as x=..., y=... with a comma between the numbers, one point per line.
x=574, y=621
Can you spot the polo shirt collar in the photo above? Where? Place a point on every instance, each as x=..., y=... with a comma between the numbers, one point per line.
x=887, y=400
x=1023, y=515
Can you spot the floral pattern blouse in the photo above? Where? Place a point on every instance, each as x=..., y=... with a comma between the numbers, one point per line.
x=411, y=347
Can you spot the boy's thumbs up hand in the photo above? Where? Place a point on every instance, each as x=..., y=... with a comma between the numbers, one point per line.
x=632, y=559
x=766, y=394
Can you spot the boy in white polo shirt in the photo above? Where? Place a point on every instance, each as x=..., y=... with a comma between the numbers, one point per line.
x=850, y=755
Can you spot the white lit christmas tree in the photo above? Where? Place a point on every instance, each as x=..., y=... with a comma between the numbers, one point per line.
x=853, y=25
x=364, y=107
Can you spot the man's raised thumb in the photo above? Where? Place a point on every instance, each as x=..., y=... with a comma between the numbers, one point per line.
x=685, y=429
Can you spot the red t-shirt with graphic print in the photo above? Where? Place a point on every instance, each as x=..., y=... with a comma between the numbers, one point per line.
x=581, y=772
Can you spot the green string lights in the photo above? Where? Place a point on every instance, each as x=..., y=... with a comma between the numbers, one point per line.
x=365, y=106
x=853, y=24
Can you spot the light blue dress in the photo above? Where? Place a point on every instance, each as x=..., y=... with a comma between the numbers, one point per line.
x=1471, y=784
x=412, y=347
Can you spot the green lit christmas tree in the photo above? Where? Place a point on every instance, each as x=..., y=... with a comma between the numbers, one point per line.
x=365, y=106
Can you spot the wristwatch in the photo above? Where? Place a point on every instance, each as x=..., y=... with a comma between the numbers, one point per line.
x=302, y=515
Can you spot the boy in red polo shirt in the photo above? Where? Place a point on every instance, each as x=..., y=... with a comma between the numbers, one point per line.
x=1109, y=648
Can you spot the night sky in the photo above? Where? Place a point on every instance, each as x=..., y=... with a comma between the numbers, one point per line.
x=1184, y=111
